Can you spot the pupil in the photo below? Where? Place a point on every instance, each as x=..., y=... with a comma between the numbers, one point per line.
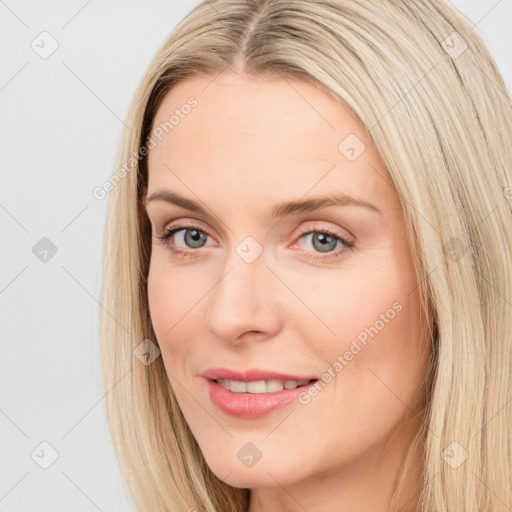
x=324, y=239
x=193, y=236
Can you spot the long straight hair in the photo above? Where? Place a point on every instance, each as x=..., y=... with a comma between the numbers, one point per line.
x=419, y=77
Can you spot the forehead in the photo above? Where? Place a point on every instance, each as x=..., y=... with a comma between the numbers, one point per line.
x=261, y=137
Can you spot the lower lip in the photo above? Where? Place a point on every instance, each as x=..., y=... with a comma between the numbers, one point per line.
x=252, y=405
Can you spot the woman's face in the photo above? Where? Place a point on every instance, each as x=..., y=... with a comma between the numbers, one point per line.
x=273, y=291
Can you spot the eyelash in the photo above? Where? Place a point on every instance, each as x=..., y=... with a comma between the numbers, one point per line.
x=172, y=230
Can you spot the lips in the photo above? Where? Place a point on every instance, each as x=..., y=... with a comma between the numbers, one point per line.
x=253, y=374
x=248, y=405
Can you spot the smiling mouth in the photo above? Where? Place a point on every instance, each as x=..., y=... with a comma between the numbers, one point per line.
x=254, y=399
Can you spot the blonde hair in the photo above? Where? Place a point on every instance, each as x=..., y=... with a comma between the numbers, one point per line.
x=440, y=116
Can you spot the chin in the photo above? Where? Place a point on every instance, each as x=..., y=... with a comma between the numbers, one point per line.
x=240, y=466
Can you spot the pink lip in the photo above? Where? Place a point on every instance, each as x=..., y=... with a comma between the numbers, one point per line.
x=251, y=375
x=251, y=405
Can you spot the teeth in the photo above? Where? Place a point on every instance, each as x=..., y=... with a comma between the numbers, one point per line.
x=274, y=385
x=238, y=387
x=260, y=386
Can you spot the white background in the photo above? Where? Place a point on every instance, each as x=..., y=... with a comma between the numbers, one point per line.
x=60, y=123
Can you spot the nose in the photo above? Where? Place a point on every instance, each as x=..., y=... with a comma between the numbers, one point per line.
x=244, y=302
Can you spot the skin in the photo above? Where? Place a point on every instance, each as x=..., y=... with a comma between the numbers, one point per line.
x=248, y=145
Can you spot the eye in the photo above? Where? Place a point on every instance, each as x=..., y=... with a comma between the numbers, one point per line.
x=323, y=241
x=193, y=236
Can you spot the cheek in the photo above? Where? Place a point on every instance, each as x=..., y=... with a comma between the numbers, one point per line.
x=176, y=298
x=369, y=324
x=160, y=298
x=341, y=304
x=168, y=299
x=172, y=294
x=384, y=355
x=375, y=365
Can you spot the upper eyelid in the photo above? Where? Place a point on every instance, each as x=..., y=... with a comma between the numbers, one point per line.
x=178, y=226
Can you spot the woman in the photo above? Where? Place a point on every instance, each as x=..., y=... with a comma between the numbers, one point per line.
x=307, y=280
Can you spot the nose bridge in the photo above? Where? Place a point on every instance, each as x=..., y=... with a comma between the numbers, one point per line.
x=243, y=297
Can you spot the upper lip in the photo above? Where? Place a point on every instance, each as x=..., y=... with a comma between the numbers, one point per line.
x=252, y=374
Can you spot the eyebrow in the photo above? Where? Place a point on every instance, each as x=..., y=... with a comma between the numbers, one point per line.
x=280, y=210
